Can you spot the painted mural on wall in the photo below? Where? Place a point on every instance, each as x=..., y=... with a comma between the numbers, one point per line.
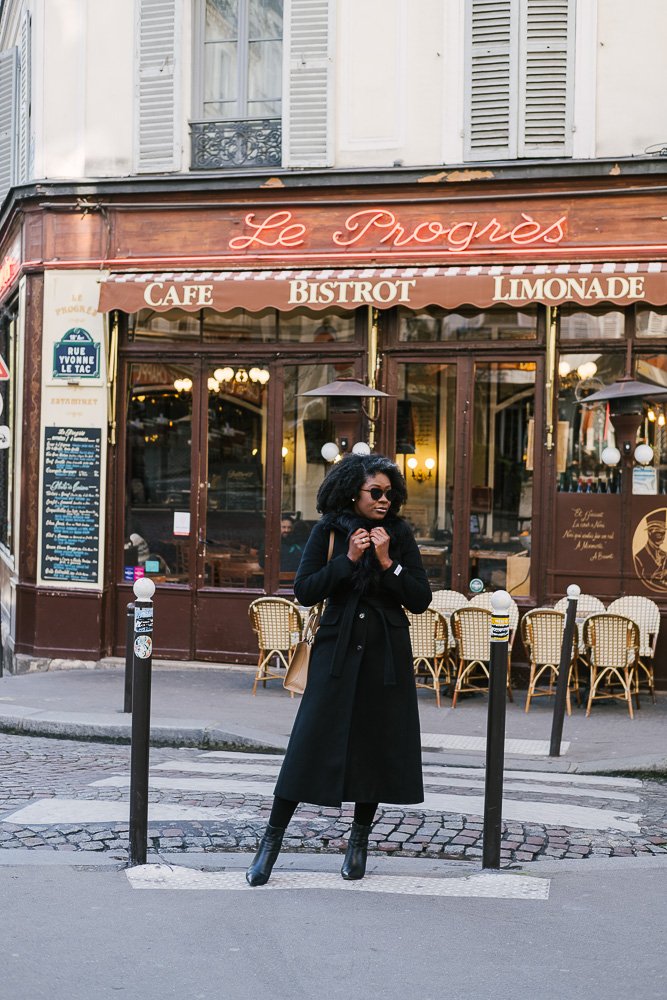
x=649, y=551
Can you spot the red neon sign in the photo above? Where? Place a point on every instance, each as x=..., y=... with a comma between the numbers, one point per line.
x=381, y=226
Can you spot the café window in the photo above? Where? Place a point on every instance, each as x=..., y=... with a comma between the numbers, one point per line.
x=467, y=324
x=7, y=401
x=501, y=496
x=579, y=323
x=306, y=326
x=585, y=431
x=425, y=451
x=651, y=323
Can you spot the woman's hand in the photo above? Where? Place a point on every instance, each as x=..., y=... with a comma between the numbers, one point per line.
x=360, y=540
x=380, y=540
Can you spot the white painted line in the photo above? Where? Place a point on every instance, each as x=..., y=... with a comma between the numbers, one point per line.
x=488, y=885
x=48, y=812
x=432, y=776
x=559, y=814
x=239, y=786
x=557, y=777
x=532, y=788
x=237, y=755
x=530, y=748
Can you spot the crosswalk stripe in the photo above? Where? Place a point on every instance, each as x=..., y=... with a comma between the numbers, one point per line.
x=470, y=778
x=531, y=748
x=496, y=885
x=48, y=812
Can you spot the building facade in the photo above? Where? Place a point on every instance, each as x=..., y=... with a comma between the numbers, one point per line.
x=213, y=207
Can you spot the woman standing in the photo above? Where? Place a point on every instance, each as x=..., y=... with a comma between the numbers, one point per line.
x=356, y=735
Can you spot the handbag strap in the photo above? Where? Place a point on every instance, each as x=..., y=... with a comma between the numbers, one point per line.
x=313, y=620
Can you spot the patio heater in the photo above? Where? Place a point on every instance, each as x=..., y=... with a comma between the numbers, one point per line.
x=626, y=408
x=347, y=405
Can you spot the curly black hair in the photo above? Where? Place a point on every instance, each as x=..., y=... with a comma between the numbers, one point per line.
x=342, y=483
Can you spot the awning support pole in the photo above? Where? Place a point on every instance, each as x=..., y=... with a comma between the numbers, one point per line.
x=550, y=373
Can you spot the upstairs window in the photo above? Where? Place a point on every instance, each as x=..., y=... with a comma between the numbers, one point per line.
x=519, y=71
x=243, y=54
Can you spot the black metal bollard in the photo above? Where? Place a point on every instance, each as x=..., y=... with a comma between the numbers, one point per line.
x=141, y=719
x=495, y=730
x=573, y=592
x=129, y=657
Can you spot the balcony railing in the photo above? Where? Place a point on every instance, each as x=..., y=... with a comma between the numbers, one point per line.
x=253, y=142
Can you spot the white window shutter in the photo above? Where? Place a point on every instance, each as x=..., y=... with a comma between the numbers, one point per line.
x=24, y=152
x=8, y=114
x=491, y=79
x=545, y=78
x=308, y=102
x=157, y=66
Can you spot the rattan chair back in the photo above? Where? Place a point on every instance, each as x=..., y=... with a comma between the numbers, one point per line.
x=484, y=601
x=646, y=615
x=277, y=624
x=613, y=640
x=446, y=601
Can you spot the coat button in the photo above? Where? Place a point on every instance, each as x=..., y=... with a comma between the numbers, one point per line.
x=359, y=648
x=363, y=614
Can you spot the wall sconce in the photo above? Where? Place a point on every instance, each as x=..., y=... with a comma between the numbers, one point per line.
x=331, y=452
x=419, y=474
x=182, y=384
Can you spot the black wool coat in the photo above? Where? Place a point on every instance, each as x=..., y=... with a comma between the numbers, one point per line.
x=356, y=735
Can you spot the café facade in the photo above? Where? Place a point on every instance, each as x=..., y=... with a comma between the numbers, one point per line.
x=162, y=345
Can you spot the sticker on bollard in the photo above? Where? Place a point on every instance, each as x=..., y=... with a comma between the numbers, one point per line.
x=143, y=619
x=143, y=647
x=500, y=628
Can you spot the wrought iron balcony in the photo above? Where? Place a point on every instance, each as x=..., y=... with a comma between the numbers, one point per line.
x=253, y=142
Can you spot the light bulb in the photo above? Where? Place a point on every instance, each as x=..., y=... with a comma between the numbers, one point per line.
x=224, y=374
x=412, y=463
x=430, y=464
x=254, y=374
x=611, y=456
x=661, y=420
x=329, y=451
x=178, y=384
x=186, y=383
x=285, y=451
x=361, y=448
x=587, y=369
x=651, y=415
x=241, y=376
x=643, y=454
x=263, y=376
x=564, y=369
x=213, y=385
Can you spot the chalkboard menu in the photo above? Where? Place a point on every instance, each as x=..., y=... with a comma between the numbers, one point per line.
x=71, y=504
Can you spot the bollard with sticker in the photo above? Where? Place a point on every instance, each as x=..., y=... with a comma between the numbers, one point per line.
x=142, y=655
x=495, y=729
x=566, y=654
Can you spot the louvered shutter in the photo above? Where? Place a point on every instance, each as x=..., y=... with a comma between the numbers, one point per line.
x=491, y=79
x=307, y=118
x=24, y=156
x=8, y=101
x=157, y=138
x=545, y=88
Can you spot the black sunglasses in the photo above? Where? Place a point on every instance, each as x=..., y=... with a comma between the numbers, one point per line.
x=377, y=493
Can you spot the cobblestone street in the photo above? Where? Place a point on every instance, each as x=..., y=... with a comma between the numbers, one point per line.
x=40, y=773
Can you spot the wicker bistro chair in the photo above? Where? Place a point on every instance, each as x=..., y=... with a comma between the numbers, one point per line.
x=646, y=615
x=484, y=601
x=542, y=634
x=586, y=605
x=446, y=602
x=472, y=632
x=429, y=635
x=613, y=644
x=277, y=624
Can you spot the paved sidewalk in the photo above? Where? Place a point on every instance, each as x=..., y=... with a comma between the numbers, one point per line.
x=212, y=706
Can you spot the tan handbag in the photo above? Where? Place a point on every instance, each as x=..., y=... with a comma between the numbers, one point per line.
x=296, y=676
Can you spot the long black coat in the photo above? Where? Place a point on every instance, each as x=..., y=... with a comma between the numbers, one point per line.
x=356, y=735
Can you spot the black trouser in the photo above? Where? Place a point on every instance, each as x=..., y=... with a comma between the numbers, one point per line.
x=283, y=810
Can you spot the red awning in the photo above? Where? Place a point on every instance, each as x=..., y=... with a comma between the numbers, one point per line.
x=383, y=287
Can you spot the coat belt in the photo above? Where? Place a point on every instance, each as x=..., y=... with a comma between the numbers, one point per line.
x=340, y=650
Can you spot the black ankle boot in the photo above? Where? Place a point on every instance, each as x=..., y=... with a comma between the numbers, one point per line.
x=260, y=870
x=354, y=866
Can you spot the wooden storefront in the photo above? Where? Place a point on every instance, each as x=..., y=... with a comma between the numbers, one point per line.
x=487, y=311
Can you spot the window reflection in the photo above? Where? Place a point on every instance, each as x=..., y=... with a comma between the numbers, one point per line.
x=501, y=499
x=578, y=323
x=159, y=433
x=468, y=324
x=236, y=476
x=583, y=432
x=425, y=444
